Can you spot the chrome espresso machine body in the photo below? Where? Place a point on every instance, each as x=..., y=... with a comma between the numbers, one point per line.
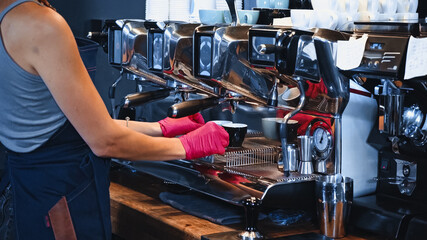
x=256, y=172
x=399, y=208
x=254, y=66
x=155, y=55
x=343, y=113
x=241, y=173
x=127, y=48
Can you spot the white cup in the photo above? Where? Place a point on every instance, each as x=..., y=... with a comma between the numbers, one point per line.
x=349, y=6
x=388, y=6
x=325, y=5
x=343, y=19
x=407, y=6
x=325, y=19
x=369, y=6
x=365, y=16
x=200, y=4
x=386, y=17
x=211, y=16
x=407, y=17
x=301, y=17
x=248, y=16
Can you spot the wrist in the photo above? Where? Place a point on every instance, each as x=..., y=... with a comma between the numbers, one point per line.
x=180, y=148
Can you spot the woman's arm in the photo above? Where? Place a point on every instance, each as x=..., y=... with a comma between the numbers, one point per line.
x=41, y=42
x=149, y=128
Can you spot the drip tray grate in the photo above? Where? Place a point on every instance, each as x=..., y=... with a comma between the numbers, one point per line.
x=255, y=150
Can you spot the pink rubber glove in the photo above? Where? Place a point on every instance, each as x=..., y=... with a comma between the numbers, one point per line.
x=172, y=127
x=205, y=141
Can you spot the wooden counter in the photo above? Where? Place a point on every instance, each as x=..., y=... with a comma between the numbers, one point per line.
x=137, y=215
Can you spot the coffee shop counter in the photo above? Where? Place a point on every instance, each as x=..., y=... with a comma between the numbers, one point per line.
x=138, y=213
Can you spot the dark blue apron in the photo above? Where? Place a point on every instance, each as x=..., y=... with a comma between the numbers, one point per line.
x=63, y=166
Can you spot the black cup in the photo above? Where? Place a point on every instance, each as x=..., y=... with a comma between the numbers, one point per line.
x=291, y=130
x=236, y=132
x=292, y=134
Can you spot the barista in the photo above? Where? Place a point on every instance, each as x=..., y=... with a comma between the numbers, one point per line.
x=59, y=134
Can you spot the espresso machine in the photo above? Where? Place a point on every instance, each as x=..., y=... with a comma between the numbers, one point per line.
x=398, y=209
x=249, y=67
x=257, y=175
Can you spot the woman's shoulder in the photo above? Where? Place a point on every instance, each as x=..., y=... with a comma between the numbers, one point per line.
x=31, y=18
x=32, y=33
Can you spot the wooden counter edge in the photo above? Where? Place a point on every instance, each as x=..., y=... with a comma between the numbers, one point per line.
x=137, y=216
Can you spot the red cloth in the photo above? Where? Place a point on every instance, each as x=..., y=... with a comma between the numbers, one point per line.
x=205, y=141
x=315, y=89
x=172, y=127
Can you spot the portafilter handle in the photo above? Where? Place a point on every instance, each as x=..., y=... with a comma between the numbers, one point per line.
x=191, y=107
x=137, y=99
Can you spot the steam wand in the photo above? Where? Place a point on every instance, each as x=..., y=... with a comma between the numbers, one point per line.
x=283, y=164
x=233, y=11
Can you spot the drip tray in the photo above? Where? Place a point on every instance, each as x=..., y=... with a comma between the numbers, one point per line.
x=254, y=151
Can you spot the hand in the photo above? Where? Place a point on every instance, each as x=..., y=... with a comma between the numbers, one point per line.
x=172, y=127
x=205, y=141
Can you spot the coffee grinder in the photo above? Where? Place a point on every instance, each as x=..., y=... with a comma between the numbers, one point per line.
x=398, y=209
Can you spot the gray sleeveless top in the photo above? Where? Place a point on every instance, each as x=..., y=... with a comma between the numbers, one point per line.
x=29, y=115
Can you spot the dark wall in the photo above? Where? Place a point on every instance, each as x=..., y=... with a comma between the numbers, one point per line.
x=422, y=8
x=79, y=13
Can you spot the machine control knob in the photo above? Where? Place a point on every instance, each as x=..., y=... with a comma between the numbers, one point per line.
x=376, y=64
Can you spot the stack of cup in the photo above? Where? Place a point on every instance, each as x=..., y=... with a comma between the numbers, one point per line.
x=336, y=14
x=302, y=18
x=407, y=10
x=208, y=13
x=200, y=4
x=347, y=13
x=368, y=11
x=157, y=10
x=387, y=10
x=245, y=16
x=179, y=10
x=324, y=15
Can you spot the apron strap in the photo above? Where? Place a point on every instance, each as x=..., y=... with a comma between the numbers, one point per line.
x=60, y=218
